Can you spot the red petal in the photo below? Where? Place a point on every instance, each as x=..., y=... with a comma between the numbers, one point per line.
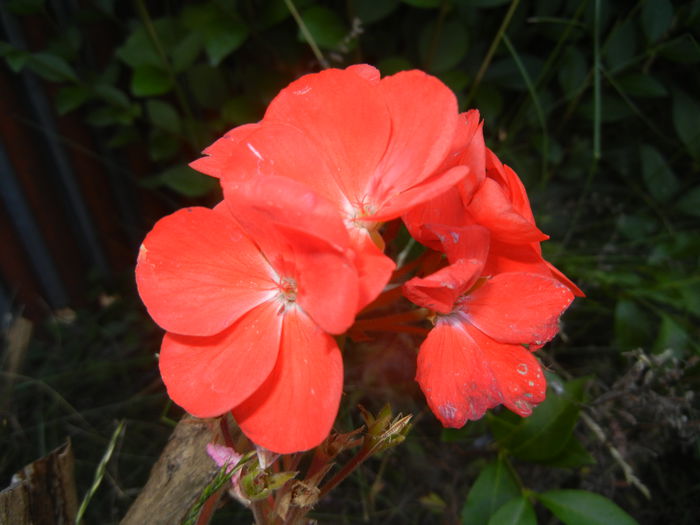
x=424, y=118
x=490, y=207
x=517, y=373
x=261, y=202
x=217, y=160
x=511, y=184
x=454, y=376
x=346, y=116
x=518, y=307
x=373, y=267
x=447, y=208
x=208, y=376
x=467, y=242
x=505, y=258
x=463, y=373
x=366, y=71
x=559, y=276
x=396, y=205
x=295, y=408
x=304, y=238
x=440, y=290
x=197, y=272
x=276, y=148
x=472, y=153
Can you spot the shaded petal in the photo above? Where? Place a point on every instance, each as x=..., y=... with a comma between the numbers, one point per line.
x=208, y=376
x=295, y=408
x=373, y=267
x=346, y=116
x=447, y=209
x=463, y=373
x=440, y=290
x=504, y=257
x=467, y=242
x=511, y=184
x=397, y=204
x=471, y=152
x=197, y=272
x=518, y=307
x=491, y=207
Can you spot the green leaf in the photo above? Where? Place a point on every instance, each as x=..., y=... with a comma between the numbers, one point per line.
x=51, y=67
x=573, y=70
x=443, y=50
x=240, y=110
x=16, y=58
x=639, y=85
x=632, y=326
x=188, y=182
x=147, y=81
x=163, y=116
x=25, y=7
x=391, y=65
x=517, y=511
x=456, y=80
x=636, y=226
x=69, y=98
x=370, y=11
x=686, y=116
x=580, y=507
x=185, y=52
x=494, y=486
x=657, y=16
x=112, y=95
x=208, y=85
x=689, y=203
x=543, y=436
x=573, y=456
x=162, y=145
x=684, y=50
x=671, y=335
x=423, y=3
x=224, y=38
x=489, y=100
x=484, y=3
x=138, y=50
x=325, y=26
x=621, y=45
x=658, y=177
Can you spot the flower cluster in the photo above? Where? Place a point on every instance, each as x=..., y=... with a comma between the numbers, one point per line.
x=252, y=292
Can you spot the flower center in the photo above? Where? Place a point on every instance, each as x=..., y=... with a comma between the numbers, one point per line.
x=288, y=289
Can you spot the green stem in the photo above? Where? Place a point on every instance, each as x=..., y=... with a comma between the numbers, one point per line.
x=492, y=49
x=349, y=467
x=536, y=103
x=307, y=34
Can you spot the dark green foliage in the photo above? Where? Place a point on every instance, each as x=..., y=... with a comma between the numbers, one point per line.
x=595, y=106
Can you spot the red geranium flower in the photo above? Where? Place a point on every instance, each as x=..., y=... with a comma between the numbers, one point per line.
x=498, y=201
x=248, y=293
x=373, y=147
x=474, y=358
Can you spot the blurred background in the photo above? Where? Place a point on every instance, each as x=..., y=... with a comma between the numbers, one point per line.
x=594, y=104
